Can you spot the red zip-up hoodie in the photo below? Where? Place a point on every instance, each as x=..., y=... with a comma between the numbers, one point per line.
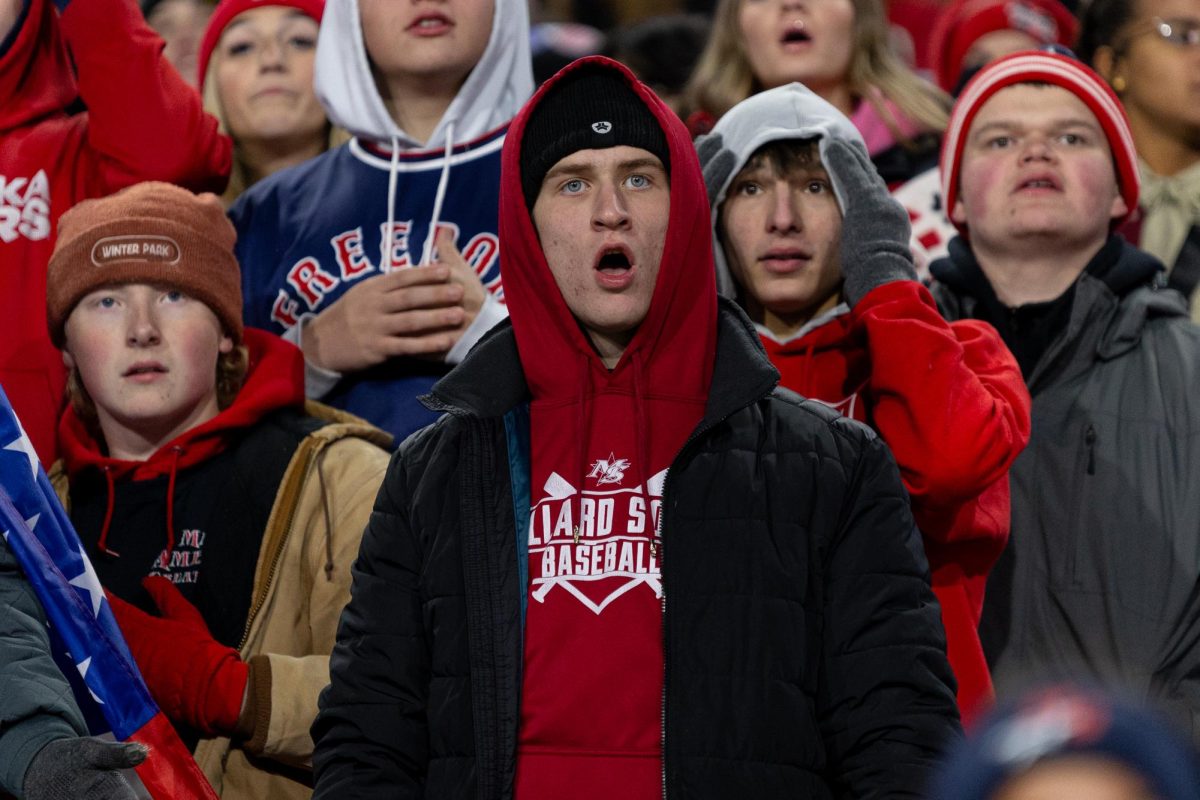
x=142, y=123
x=951, y=404
x=601, y=443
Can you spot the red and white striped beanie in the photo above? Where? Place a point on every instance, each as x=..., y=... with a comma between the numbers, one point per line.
x=1041, y=67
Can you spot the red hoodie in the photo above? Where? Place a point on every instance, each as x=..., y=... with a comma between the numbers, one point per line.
x=143, y=123
x=950, y=401
x=601, y=442
x=274, y=380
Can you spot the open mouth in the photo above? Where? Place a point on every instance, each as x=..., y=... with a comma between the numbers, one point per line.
x=613, y=261
x=1039, y=182
x=795, y=34
x=428, y=23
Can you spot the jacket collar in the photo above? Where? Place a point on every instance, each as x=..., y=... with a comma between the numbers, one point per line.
x=489, y=382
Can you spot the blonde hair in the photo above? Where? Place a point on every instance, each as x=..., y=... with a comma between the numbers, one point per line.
x=231, y=372
x=239, y=175
x=723, y=77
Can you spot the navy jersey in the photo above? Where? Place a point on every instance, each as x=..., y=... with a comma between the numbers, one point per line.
x=309, y=233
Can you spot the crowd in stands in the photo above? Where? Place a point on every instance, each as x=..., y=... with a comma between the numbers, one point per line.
x=485, y=398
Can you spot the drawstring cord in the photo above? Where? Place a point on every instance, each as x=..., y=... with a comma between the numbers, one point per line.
x=102, y=545
x=176, y=451
x=427, y=251
x=386, y=260
x=641, y=434
x=581, y=441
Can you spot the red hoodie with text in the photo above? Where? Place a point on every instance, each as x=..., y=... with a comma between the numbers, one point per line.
x=601, y=443
x=142, y=123
x=950, y=402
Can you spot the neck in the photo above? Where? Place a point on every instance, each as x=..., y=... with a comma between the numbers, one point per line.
x=783, y=325
x=610, y=347
x=418, y=104
x=130, y=440
x=262, y=157
x=1166, y=149
x=1037, y=274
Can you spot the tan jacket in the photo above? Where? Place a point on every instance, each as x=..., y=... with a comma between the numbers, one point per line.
x=301, y=583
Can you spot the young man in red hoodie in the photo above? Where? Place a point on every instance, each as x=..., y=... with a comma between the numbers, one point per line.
x=88, y=105
x=203, y=488
x=622, y=565
x=809, y=242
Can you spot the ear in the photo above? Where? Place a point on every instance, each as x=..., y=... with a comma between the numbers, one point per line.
x=226, y=345
x=1107, y=64
x=68, y=361
x=1119, y=207
x=958, y=214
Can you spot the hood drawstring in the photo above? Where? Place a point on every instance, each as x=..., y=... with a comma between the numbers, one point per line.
x=176, y=451
x=102, y=545
x=808, y=362
x=385, y=261
x=586, y=384
x=427, y=251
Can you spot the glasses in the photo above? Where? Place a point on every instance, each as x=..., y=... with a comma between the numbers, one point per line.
x=1179, y=31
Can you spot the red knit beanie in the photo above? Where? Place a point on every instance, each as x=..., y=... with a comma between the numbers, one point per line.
x=1038, y=67
x=228, y=9
x=959, y=25
x=153, y=233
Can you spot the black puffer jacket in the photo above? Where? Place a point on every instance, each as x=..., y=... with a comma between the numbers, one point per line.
x=804, y=650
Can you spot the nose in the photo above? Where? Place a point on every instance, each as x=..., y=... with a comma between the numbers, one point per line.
x=785, y=217
x=1037, y=148
x=610, y=212
x=270, y=55
x=143, y=325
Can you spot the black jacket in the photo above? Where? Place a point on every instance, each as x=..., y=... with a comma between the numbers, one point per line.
x=1099, y=578
x=804, y=650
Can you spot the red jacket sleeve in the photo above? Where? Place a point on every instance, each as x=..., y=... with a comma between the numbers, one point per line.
x=144, y=122
x=948, y=398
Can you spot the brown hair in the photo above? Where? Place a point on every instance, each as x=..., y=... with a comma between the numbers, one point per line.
x=723, y=77
x=231, y=372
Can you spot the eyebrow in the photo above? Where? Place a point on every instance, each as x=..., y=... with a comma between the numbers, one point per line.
x=586, y=169
x=1069, y=122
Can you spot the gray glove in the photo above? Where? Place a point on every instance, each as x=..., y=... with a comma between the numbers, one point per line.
x=875, y=227
x=715, y=162
x=82, y=769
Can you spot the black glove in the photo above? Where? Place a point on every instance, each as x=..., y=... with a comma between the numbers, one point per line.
x=875, y=227
x=82, y=769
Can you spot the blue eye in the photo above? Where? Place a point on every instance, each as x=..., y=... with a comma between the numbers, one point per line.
x=638, y=181
x=573, y=186
x=106, y=302
x=174, y=296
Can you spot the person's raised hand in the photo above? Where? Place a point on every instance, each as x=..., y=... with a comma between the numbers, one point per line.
x=415, y=311
x=82, y=769
x=875, y=226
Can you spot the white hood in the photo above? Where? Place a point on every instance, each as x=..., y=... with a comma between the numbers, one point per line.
x=494, y=91
x=788, y=112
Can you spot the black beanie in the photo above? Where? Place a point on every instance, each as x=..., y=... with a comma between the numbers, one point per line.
x=592, y=108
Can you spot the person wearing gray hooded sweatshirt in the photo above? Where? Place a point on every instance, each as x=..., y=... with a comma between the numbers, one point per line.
x=807, y=239
x=338, y=254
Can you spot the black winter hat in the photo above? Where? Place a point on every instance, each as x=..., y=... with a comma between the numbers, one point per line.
x=592, y=108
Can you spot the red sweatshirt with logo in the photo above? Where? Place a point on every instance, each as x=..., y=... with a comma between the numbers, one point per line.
x=951, y=404
x=142, y=123
x=601, y=443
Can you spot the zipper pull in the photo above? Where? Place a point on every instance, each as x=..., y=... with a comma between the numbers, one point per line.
x=576, y=534
x=1089, y=438
x=654, y=548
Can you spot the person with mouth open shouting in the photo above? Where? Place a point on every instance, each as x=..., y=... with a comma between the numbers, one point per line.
x=1098, y=581
x=624, y=564
x=809, y=242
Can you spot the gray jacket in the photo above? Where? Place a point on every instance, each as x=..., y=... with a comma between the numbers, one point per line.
x=1101, y=578
x=36, y=704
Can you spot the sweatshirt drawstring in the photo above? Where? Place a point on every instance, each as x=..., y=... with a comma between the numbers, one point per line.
x=175, y=453
x=581, y=441
x=328, y=516
x=427, y=251
x=102, y=545
x=386, y=257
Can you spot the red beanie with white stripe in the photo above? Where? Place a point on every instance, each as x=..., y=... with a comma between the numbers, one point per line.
x=1056, y=70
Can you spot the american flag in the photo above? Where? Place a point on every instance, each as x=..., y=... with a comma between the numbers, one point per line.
x=83, y=631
